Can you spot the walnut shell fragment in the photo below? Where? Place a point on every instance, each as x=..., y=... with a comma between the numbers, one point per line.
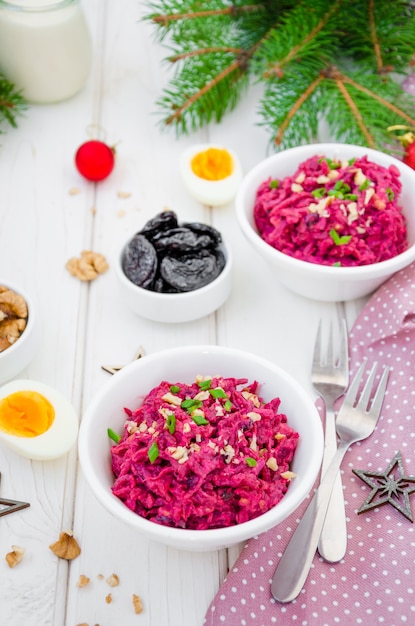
x=15, y=556
x=66, y=547
x=88, y=266
x=83, y=581
x=137, y=604
x=113, y=580
x=13, y=316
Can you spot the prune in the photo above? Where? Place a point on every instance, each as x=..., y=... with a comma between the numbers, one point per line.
x=180, y=241
x=204, y=229
x=140, y=261
x=190, y=271
x=165, y=220
x=169, y=258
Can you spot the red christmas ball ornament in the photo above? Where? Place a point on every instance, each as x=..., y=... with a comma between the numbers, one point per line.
x=95, y=160
x=407, y=141
x=409, y=155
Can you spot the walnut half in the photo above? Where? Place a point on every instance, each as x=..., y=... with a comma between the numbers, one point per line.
x=88, y=266
x=13, y=316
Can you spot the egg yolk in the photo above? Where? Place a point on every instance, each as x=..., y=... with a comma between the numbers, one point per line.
x=26, y=414
x=212, y=164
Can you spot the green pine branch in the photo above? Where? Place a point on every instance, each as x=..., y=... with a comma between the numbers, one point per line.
x=338, y=61
x=12, y=104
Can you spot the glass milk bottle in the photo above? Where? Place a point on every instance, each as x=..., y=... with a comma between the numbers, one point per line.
x=45, y=48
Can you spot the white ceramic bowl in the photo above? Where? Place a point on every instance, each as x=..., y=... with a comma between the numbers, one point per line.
x=183, y=364
x=18, y=356
x=175, y=307
x=311, y=280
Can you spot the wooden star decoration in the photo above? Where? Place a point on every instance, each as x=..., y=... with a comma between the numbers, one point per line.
x=10, y=506
x=113, y=369
x=389, y=487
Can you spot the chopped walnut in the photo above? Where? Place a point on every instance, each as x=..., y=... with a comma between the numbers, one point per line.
x=108, y=598
x=272, y=463
x=83, y=581
x=88, y=266
x=113, y=580
x=13, y=316
x=66, y=547
x=137, y=604
x=288, y=475
x=15, y=556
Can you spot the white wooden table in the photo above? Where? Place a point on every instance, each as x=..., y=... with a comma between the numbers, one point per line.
x=84, y=326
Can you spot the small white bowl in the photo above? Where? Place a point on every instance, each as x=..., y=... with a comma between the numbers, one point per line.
x=127, y=388
x=18, y=356
x=322, y=282
x=175, y=307
x=210, y=192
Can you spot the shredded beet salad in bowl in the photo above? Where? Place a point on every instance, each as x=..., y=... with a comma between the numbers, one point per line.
x=334, y=212
x=210, y=454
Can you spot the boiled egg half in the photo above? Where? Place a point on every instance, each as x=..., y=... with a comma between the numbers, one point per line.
x=36, y=420
x=211, y=173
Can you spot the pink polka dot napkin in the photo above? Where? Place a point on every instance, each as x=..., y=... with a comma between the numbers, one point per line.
x=375, y=583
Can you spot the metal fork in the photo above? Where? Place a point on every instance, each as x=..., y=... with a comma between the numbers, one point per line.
x=355, y=422
x=330, y=378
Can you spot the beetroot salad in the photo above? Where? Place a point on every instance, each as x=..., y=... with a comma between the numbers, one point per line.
x=334, y=212
x=206, y=455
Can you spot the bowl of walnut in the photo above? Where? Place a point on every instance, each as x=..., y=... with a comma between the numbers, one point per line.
x=18, y=330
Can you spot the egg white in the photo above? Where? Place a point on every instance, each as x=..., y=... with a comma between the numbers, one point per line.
x=58, y=439
x=210, y=192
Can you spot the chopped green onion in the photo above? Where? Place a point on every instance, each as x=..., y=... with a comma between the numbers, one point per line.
x=113, y=435
x=273, y=184
x=218, y=393
x=352, y=160
x=350, y=196
x=205, y=384
x=171, y=423
x=228, y=405
x=319, y=192
x=337, y=239
x=364, y=185
x=250, y=461
x=199, y=420
x=174, y=389
x=390, y=194
x=153, y=452
x=337, y=264
x=333, y=165
x=190, y=405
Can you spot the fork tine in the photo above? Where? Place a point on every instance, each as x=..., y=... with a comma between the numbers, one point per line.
x=317, y=347
x=380, y=393
x=351, y=395
x=330, y=359
x=343, y=360
x=367, y=390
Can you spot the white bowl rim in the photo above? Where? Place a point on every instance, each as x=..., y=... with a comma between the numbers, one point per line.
x=196, y=539
x=363, y=272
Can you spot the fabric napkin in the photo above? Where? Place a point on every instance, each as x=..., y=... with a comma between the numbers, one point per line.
x=375, y=583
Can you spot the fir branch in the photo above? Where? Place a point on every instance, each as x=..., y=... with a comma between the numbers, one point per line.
x=315, y=59
x=233, y=11
x=12, y=103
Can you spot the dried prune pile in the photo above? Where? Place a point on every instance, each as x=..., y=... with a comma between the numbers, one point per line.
x=169, y=257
